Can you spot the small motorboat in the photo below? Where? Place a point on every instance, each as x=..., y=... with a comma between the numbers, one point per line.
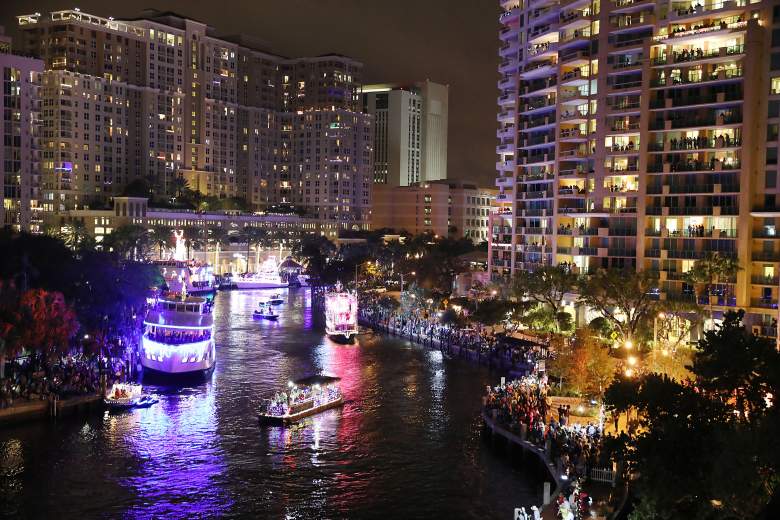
x=124, y=396
x=275, y=299
x=265, y=312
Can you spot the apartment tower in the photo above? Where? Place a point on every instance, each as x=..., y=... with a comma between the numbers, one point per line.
x=164, y=99
x=19, y=138
x=634, y=134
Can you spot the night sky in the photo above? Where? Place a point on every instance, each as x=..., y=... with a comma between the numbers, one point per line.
x=447, y=41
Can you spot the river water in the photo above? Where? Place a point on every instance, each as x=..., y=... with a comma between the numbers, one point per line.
x=406, y=444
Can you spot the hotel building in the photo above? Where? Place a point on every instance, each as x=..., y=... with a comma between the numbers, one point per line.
x=641, y=134
x=410, y=131
x=163, y=98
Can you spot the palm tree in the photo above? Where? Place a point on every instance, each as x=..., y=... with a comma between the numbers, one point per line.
x=257, y=237
x=193, y=238
x=713, y=269
x=161, y=237
x=217, y=236
x=76, y=236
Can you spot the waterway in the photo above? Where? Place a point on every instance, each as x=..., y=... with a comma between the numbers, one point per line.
x=407, y=443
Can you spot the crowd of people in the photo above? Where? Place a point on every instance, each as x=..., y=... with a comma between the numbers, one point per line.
x=523, y=406
x=28, y=380
x=477, y=341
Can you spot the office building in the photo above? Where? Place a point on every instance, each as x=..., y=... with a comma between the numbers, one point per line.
x=635, y=134
x=163, y=98
x=410, y=132
x=445, y=207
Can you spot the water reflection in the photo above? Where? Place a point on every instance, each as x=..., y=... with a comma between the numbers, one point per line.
x=406, y=439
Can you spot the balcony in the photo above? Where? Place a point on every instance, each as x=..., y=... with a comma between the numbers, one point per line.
x=507, y=83
x=542, y=50
x=765, y=256
x=765, y=280
x=509, y=99
x=573, y=20
x=540, y=87
x=506, y=166
x=711, y=28
x=505, y=181
x=507, y=116
x=764, y=303
x=575, y=78
x=542, y=30
x=683, y=11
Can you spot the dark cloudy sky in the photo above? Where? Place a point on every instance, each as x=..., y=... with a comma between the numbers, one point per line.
x=447, y=41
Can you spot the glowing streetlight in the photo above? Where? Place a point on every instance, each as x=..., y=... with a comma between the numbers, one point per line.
x=628, y=344
x=631, y=360
x=629, y=372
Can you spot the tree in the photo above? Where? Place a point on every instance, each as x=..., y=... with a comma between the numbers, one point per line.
x=129, y=242
x=316, y=251
x=712, y=270
x=583, y=364
x=546, y=285
x=162, y=237
x=218, y=236
x=76, y=237
x=737, y=366
x=718, y=433
x=194, y=238
x=46, y=322
x=624, y=297
x=255, y=236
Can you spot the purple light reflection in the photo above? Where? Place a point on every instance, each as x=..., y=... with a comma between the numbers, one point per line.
x=182, y=462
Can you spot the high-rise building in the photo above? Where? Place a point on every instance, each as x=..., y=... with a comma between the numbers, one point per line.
x=634, y=134
x=19, y=138
x=164, y=99
x=410, y=131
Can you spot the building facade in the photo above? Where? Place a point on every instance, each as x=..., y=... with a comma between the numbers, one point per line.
x=410, y=131
x=20, y=144
x=634, y=134
x=164, y=99
x=445, y=208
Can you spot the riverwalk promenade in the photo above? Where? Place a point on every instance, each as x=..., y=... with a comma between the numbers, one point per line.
x=24, y=410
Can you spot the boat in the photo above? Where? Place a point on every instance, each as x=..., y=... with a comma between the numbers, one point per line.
x=265, y=312
x=341, y=310
x=303, y=398
x=304, y=280
x=124, y=396
x=198, y=280
x=178, y=336
x=276, y=299
x=267, y=277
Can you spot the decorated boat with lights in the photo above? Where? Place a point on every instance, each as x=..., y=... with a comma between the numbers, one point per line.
x=178, y=336
x=124, y=396
x=198, y=280
x=267, y=277
x=341, y=313
x=303, y=398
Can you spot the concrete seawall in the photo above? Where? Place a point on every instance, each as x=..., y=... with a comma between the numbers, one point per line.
x=533, y=457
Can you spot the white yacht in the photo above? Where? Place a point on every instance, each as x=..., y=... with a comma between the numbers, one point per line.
x=179, y=336
x=267, y=277
x=341, y=309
